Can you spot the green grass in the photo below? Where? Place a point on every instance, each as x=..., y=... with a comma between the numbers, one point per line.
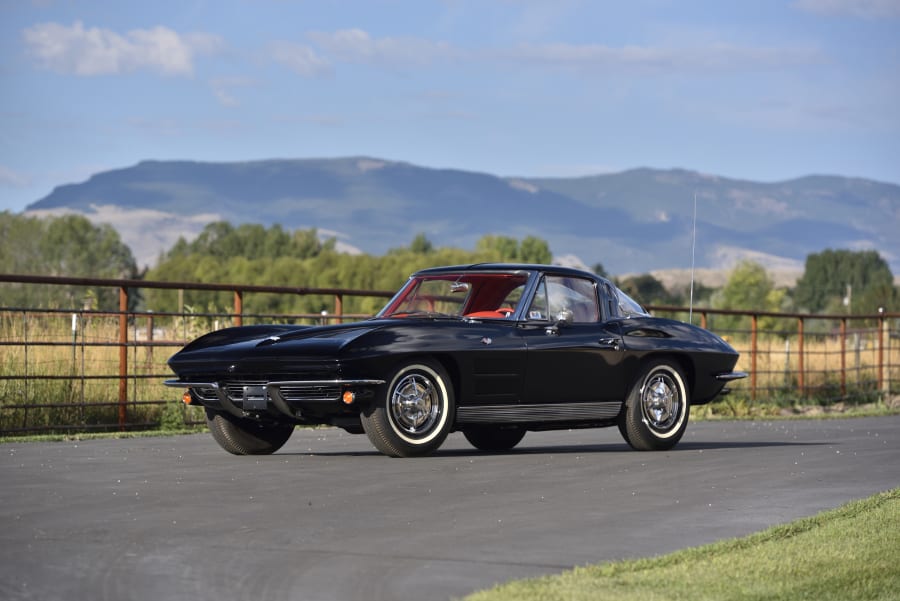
x=848, y=553
x=79, y=436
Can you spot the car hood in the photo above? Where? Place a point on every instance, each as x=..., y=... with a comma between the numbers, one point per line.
x=273, y=342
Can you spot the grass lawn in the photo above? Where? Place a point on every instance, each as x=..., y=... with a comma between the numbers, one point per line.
x=850, y=553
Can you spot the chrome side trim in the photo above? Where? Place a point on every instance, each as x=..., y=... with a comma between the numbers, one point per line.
x=538, y=413
x=326, y=383
x=183, y=384
x=731, y=375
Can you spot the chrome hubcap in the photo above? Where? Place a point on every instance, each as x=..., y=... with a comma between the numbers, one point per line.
x=660, y=402
x=415, y=404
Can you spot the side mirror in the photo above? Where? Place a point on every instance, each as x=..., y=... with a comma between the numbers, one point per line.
x=564, y=317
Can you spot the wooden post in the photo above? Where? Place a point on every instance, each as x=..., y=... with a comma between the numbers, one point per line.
x=881, y=382
x=801, y=377
x=238, y=307
x=123, y=357
x=149, y=341
x=753, y=332
x=843, y=358
x=339, y=307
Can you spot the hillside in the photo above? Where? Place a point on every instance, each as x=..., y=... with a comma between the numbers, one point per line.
x=634, y=221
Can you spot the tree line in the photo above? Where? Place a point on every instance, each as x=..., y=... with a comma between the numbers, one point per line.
x=834, y=281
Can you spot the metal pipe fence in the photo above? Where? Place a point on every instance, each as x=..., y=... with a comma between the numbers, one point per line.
x=88, y=370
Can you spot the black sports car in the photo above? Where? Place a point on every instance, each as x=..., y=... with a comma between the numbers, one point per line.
x=491, y=350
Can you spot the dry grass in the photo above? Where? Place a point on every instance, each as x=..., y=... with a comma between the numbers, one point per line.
x=73, y=378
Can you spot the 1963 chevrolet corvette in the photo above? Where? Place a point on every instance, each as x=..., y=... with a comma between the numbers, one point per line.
x=490, y=350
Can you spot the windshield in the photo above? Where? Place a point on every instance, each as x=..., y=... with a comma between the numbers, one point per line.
x=464, y=294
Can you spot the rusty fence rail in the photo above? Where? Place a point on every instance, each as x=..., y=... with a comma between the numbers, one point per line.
x=64, y=369
x=84, y=370
x=829, y=358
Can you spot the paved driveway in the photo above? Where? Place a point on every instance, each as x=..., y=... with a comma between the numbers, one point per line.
x=327, y=518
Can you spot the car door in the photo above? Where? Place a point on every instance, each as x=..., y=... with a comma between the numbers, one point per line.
x=578, y=359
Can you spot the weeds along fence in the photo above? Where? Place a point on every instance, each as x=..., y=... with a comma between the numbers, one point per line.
x=87, y=370
x=796, y=359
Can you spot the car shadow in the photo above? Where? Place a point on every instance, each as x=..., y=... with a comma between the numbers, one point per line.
x=622, y=447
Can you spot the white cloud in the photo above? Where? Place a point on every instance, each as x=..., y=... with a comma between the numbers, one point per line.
x=95, y=51
x=222, y=89
x=712, y=56
x=12, y=179
x=300, y=59
x=867, y=9
x=357, y=46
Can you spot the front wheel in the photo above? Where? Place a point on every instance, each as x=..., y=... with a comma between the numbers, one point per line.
x=413, y=416
x=657, y=408
x=241, y=436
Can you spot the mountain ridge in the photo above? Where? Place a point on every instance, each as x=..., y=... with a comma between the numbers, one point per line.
x=638, y=220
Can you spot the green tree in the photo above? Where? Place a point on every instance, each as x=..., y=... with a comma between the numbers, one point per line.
x=750, y=288
x=534, y=250
x=257, y=255
x=421, y=245
x=600, y=270
x=69, y=245
x=831, y=274
x=222, y=240
x=646, y=289
x=504, y=248
x=498, y=248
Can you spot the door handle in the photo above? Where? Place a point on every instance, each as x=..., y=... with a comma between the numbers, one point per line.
x=610, y=343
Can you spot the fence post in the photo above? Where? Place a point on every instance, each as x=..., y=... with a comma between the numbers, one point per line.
x=801, y=379
x=843, y=358
x=339, y=307
x=238, y=307
x=881, y=381
x=753, y=332
x=123, y=356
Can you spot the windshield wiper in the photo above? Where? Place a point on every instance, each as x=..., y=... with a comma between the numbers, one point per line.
x=431, y=315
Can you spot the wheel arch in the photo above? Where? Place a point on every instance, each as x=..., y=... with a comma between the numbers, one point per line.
x=684, y=363
x=445, y=360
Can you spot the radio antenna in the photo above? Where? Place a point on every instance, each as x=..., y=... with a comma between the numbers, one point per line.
x=693, y=247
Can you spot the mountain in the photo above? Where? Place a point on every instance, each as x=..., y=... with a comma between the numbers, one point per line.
x=639, y=220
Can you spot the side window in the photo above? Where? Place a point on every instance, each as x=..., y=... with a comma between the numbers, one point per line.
x=610, y=298
x=538, y=308
x=575, y=296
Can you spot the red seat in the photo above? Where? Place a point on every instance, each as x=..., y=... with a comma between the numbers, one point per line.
x=489, y=314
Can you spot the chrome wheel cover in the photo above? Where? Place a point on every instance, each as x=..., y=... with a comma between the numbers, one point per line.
x=415, y=404
x=661, y=402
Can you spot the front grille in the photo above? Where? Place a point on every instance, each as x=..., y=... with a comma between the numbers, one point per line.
x=292, y=393
x=206, y=394
x=235, y=388
x=295, y=393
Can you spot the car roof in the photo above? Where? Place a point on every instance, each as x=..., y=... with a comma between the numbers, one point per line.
x=552, y=269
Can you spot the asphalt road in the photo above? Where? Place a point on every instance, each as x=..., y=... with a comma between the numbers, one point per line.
x=327, y=518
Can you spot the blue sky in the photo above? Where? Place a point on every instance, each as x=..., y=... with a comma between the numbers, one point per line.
x=763, y=90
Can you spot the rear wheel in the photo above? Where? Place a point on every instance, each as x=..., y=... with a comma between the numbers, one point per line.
x=494, y=438
x=242, y=436
x=413, y=416
x=657, y=408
